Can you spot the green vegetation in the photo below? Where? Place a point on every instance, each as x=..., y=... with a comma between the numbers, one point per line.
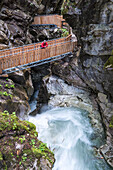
x=43, y=146
x=15, y=123
x=109, y=62
x=22, y=139
x=65, y=33
x=4, y=89
x=111, y=122
x=1, y=157
x=9, y=86
x=5, y=93
x=13, y=130
x=65, y=7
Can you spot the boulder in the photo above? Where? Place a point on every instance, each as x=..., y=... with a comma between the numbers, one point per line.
x=23, y=78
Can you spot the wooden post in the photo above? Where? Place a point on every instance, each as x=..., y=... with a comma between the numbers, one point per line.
x=0, y=70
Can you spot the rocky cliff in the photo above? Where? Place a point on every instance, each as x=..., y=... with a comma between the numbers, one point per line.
x=92, y=22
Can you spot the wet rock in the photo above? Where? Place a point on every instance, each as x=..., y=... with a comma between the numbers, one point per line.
x=107, y=113
x=13, y=97
x=52, y=6
x=3, y=46
x=94, y=33
x=23, y=78
x=102, y=98
x=38, y=73
x=107, y=152
x=91, y=70
x=64, y=70
x=4, y=33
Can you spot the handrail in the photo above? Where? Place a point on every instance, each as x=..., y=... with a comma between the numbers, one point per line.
x=51, y=19
x=35, y=43
x=33, y=49
x=35, y=55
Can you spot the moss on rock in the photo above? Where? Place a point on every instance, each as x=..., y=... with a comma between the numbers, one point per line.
x=1, y=156
x=109, y=62
x=19, y=144
x=111, y=122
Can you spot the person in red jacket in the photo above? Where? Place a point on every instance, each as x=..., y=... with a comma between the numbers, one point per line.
x=44, y=44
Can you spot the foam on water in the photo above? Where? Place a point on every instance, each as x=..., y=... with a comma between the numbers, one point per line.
x=67, y=132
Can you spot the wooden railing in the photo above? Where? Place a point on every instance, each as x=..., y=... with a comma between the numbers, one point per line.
x=13, y=57
x=27, y=54
x=49, y=19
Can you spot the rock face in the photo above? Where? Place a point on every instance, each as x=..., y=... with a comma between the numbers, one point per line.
x=93, y=25
x=23, y=78
x=65, y=71
x=13, y=97
x=92, y=22
x=107, y=115
x=52, y=6
x=41, y=34
x=15, y=93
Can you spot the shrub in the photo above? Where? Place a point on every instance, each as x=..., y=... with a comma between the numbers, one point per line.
x=65, y=33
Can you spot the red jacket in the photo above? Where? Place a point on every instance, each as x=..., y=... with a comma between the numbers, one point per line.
x=44, y=44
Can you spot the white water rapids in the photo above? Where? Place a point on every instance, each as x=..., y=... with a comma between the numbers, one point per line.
x=67, y=131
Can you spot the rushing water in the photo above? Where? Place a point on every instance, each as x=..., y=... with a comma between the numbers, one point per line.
x=67, y=131
x=33, y=101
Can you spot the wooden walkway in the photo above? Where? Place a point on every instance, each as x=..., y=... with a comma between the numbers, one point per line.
x=50, y=19
x=24, y=55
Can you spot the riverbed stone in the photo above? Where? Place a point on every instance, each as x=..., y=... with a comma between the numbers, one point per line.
x=103, y=98
x=107, y=152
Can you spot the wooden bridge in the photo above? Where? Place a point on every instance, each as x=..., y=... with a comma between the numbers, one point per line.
x=49, y=19
x=18, y=58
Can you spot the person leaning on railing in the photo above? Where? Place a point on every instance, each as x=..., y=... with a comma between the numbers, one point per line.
x=44, y=44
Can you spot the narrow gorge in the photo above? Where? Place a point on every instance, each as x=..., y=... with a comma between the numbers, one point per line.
x=68, y=101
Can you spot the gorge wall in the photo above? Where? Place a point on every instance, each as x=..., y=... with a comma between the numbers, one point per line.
x=92, y=22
